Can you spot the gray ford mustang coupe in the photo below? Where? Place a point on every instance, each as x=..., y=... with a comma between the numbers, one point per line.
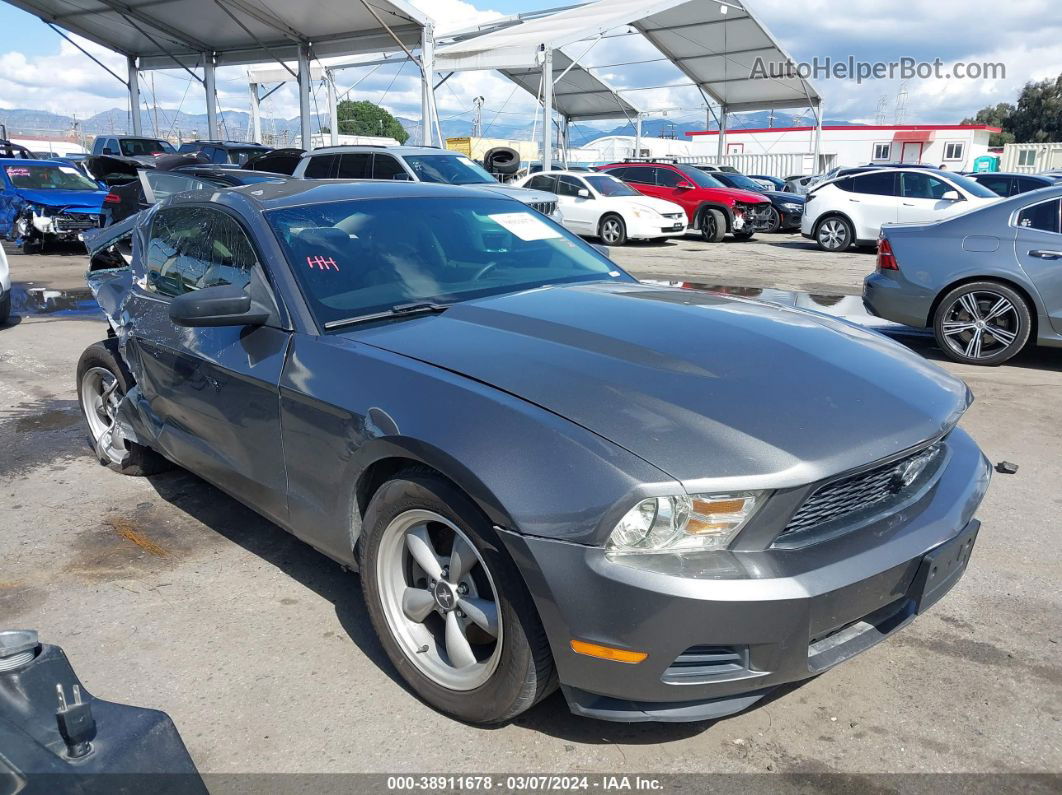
x=667, y=502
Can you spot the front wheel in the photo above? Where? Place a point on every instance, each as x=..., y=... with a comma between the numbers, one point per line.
x=834, y=234
x=448, y=603
x=612, y=231
x=774, y=221
x=983, y=323
x=102, y=381
x=713, y=226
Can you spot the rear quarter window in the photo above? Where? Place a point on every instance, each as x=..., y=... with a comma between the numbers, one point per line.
x=320, y=167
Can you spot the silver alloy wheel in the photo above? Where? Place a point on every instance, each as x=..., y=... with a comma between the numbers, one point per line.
x=833, y=234
x=611, y=230
x=442, y=609
x=981, y=324
x=100, y=397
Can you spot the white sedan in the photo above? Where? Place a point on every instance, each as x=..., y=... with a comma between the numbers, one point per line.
x=5, y=288
x=599, y=205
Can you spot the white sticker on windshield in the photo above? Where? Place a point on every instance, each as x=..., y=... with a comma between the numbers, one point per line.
x=69, y=170
x=525, y=226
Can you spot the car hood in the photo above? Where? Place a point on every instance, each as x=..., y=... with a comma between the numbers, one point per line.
x=747, y=196
x=701, y=385
x=782, y=196
x=525, y=195
x=661, y=206
x=77, y=200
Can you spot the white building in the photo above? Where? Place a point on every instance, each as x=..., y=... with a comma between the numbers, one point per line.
x=1031, y=158
x=955, y=146
x=610, y=148
x=317, y=140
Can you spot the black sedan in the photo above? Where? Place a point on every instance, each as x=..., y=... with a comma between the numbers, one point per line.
x=1007, y=184
x=786, y=208
x=154, y=185
x=668, y=502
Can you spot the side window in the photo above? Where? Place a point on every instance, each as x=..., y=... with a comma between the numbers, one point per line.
x=387, y=167
x=569, y=186
x=877, y=183
x=354, y=166
x=618, y=173
x=917, y=185
x=167, y=183
x=641, y=175
x=1025, y=185
x=321, y=167
x=97, y=146
x=542, y=182
x=998, y=185
x=219, y=155
x=667, y=178
x=1044, y=216
x=191, y=248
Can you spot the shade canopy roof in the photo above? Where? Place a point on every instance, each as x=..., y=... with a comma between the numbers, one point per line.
x=578, y=94
x=715, y=51
x=163, y=33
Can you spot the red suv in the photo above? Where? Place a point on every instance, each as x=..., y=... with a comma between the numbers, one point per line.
x=711, y=207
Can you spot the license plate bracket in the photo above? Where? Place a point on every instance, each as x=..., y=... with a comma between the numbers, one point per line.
x=942, y=567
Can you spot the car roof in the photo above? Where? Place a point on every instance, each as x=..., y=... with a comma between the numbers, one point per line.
x=22, y=161
x=298, y=192
x=229, y=144
x=392, y=150
x=977, y=174
x=564, y=172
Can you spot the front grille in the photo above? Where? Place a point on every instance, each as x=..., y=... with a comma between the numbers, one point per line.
x=855, y=493
x=74, y=222
x=704, y=663
x=546, y=208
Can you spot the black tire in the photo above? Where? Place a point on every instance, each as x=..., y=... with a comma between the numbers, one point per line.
x=611, y=230
x=32, y=245
x=835, y=234
x=713, y=225
x=5, y=308
x=989, y=340
x=743, y=236
x=136, y=459
x=525, y=673
x=775, y=222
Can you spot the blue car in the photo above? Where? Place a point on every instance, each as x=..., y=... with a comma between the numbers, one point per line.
x=44, y=200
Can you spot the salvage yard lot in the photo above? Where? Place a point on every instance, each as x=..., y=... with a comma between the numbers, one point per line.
x=166, y=593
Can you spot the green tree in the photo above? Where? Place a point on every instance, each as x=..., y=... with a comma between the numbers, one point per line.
x=365, y=118
x=1038, y=117
x=998, y=116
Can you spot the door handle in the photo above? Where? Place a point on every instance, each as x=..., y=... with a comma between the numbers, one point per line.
x=1042, y=254
x=854, y=201
x=908, y=204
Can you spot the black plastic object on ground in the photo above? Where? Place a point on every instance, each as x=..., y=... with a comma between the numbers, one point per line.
x=56, y=737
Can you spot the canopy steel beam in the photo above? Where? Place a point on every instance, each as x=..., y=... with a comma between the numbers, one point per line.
x=134, y=95
x=304, y=95
x=171, y=33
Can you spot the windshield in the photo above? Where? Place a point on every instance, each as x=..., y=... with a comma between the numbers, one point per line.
x=702, y=179
x=448, y=169
x=972, y=187
x=610, y=186
x=742, y=182
x=361, y=257
x=49, y=178
x=241, y=156
x=133, y=147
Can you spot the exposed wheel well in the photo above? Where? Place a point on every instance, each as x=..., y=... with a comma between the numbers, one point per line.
x=609, y=214
x=999, y=280
x=728, y=216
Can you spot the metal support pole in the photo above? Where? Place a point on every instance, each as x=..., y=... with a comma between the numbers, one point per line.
x=255, y=131
x=722, y=134
x=638, y=135
x=547, y=109
x=304, y=97
x=211, y=99
x=427, y=67
x=565, y=140
x=817, y=167
x=333, y=107
x=134, y=95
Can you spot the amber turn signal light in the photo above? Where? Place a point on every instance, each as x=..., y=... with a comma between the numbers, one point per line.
x=607, y=653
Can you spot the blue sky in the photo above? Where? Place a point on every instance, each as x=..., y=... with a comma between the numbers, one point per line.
x=39, y=70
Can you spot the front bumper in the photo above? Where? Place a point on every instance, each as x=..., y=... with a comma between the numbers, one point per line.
x=723, y=629
x=648, y=229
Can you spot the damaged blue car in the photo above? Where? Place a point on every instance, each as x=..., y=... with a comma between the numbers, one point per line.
x=45, y=200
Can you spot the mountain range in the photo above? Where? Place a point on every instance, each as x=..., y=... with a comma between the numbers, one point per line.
x=27, y=123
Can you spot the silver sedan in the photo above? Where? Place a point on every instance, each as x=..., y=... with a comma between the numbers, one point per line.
x=988, y=282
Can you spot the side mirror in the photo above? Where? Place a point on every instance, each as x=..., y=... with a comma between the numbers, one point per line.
x=685, y=186
x=225, y=305
x=583, y=193
x=951, y=196
x=108, y=151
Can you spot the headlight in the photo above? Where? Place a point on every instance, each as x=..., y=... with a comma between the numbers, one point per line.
x=792, y=208
x=682, y=524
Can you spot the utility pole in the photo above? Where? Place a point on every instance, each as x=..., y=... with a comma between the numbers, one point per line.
x=477, y=117
x=901, y=104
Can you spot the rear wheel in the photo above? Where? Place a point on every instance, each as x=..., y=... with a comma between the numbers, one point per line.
x=983, y=323
x=448, y=603
x=713, y=225
x=5, y=308
x=834, y=234
x=612, y=231
x=102, y=382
